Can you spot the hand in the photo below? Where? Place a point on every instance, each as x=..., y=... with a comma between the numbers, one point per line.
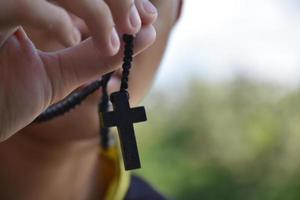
x=71, y=127
x=72, y=142
x=103, y=18
x=31, y=80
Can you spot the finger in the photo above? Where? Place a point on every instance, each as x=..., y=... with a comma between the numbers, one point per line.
x=4, y=35
x=83, y=63
x=99, y=19
x=81, y=26
x=147, y=11
x=43, y=15
x=125, y=15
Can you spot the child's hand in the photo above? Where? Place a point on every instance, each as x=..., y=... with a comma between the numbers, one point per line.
x=105, y=19
x=31, y=80
x=71, y=127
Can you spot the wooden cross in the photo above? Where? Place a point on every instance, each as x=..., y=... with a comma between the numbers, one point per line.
x=123, y=117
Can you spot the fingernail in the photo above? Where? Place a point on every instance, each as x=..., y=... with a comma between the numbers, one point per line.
x=134, y=17
x=149, y=7
x=115, y=41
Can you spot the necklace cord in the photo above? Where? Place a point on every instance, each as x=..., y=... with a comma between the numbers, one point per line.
x=77, y=98
x=69, y=103
x=128, y=53
x=103, y=106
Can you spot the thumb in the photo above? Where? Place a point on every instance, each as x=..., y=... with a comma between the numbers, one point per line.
x=72, y=67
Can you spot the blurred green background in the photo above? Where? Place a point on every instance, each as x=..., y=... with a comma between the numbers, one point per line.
x=235, y=140
x=224, y=115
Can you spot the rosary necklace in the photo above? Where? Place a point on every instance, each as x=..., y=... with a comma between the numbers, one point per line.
x=123, y=116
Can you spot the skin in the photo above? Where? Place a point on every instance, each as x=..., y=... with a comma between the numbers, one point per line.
x=102, y=18
x=60, y=157
x=57, y=73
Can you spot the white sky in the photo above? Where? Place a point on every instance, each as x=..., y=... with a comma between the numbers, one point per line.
x=217, y=39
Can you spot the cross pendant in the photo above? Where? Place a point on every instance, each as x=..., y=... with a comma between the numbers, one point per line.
x=123, y=117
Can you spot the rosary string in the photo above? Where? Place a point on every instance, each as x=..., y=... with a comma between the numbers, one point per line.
x=128, y=52
x=123, y=116
x=103, y=107
x=104, y=103
x=69, y=103
x=77, y=98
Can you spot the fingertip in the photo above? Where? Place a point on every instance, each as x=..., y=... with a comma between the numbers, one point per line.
x=135, y=22
x=148, y=11
x=66, y=33
x=20, y=34
x=70, y=37
x=76, y=36
x=149, y=8
x=145, y=38
x=24, y=40
x=114, y=42
x=129, y=22
x=60, y=25
x=114, y=84
x=110, y=46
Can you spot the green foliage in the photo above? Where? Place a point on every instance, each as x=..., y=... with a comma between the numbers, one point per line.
x=233, y=141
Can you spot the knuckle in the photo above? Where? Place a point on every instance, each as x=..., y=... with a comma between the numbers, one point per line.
x=121, y=8
x=60, y=22
x=127, y=4
x=121, y=12
x=100, y=16
x=101, y=10
x=23, y=9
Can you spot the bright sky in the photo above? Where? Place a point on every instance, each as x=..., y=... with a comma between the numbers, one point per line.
x=217, y=39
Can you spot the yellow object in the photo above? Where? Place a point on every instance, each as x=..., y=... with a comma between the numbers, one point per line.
x=113, y=174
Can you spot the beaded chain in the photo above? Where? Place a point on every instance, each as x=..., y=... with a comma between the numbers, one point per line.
x=77, y=98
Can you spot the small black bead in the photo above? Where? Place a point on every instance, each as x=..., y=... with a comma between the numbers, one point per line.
x=125, y=73
x=76, y=98
x=126, y=64
x=127, y=38
x=127, y=59
x=128, y=52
